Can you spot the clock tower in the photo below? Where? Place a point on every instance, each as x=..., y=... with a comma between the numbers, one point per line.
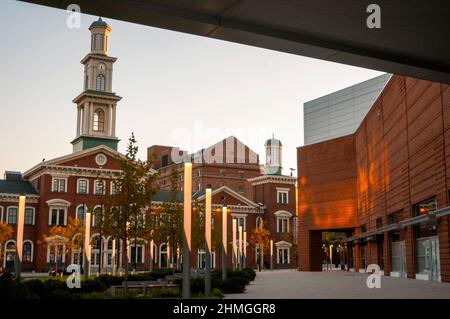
x=96, y=105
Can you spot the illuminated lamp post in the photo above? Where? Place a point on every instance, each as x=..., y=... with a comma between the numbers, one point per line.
x=113, y=257
x=208, y=242
x=271, y=254
x=187, y=230
x=87, y=246
x=19, y=239
x=234, y=244
x=152, y=244
x=245, y=249
x=224, y=242
x=240, y=258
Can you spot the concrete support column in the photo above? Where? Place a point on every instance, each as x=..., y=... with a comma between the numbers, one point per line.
x=444, y=248
x=387, y=254
x=358, y=261
x=410, y=246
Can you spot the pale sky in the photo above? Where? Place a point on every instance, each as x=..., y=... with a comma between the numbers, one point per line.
x=170, y=82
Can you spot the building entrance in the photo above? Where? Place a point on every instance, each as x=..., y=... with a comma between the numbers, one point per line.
x=398, y=256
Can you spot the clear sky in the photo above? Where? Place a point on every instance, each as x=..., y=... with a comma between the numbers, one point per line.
x=171, y=83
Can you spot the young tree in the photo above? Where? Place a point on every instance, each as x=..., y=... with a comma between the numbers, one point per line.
x=64, y=235
x=127, y=207
x=260, y=238
x=169, y=225
x=6, y=232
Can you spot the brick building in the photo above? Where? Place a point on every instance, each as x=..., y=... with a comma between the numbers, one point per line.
x=386, y=185
x=226, y=163
x=68, y=186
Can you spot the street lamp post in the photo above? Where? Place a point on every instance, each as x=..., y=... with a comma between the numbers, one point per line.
x=19, y=239
x=187, y=230
x=87, y=246
x=208, y=242
x=113, y=257
x=224, y=242
x=152, y=244
x=245, y=249
x=271, y=254
x=240, y=258
x=234, y=244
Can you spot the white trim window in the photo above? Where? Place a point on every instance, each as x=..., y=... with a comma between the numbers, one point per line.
x=56, y=252
x=1, y=214
x=163, y=261
x=240, y=221
x=11, y=215
x=57, y=216
x=282, y=224
x=283, y=255
x=82, y=186
x=114, y=189
x=97, y=211
x=99, y=187
x=80, y=212
x=201, y=259
x=59, y=185
x=282, y=196
x=9, y=254
x=29, y=216
x=137, y=253
x=95, y=250
x=27, y=252
x=77, y=251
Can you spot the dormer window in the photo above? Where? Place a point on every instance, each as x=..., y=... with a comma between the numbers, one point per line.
x=99, y=120
x=100, y=83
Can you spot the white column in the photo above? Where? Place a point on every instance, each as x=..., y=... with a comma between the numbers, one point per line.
x=91, y=117
x=234, y=244
x=78, y=120
x=113, y=124
x=86, y=118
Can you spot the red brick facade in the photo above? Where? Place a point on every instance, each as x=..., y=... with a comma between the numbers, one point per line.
x=400, y=158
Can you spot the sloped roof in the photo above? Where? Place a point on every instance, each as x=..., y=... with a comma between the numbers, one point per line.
x=17, y=187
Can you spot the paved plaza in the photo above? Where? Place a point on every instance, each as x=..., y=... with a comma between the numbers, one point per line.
x=292, y=284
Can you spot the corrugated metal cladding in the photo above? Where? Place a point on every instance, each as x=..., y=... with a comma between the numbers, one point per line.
x=340, y=113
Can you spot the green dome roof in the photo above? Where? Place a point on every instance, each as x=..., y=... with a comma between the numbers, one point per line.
x=99, y=23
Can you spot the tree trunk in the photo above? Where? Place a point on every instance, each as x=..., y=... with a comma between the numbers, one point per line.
x=125, y=261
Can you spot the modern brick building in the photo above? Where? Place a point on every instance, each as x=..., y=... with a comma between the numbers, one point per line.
x=66, y=187
x=386, y=185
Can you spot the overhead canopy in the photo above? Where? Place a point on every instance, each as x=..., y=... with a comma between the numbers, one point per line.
x=413, y=39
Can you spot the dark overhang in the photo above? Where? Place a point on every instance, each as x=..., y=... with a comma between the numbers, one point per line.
x=413, y=39
x=430, y=218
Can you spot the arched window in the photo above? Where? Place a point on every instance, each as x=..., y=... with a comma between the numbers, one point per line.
x=97, y=215
x=95, y=250
x=77, y=251
x=27, y=254
x=9, y=255
x=81, y=210
x=163, y=256
x=100, y=83
x=99, y=120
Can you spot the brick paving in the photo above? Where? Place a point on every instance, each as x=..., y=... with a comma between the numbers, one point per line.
x=292, y=284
